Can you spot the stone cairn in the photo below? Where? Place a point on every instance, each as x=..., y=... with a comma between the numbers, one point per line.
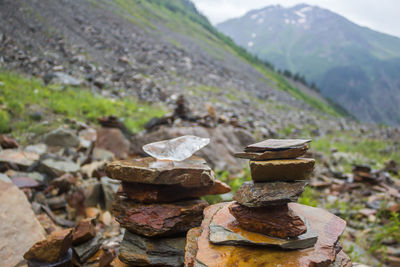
x=158, y=202
x=264, y=226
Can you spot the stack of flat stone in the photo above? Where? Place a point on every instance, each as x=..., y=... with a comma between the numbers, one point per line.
x=264, y=226
x=279, y=177
x=158, y=202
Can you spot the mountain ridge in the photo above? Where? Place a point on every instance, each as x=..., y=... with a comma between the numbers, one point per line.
x=315, y=42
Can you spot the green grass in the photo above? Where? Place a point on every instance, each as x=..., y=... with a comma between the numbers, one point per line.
x=21, y=97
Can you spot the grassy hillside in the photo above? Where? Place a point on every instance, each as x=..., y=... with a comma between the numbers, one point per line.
x=28, y=106
x=182, y=16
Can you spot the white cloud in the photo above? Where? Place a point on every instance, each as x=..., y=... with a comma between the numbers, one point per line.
x=382, y=15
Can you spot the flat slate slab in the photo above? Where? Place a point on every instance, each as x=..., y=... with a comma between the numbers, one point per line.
x=289, y=153
x=192, y=172
x=255, y=195
x=281, y=169
x=276, y=144
x=225, y=230
x=140, y=251
x=201, y=252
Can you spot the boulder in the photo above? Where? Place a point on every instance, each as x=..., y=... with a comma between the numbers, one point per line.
x=254, y=195
x=192, y=172
x=276, y=221
x=52, y=249
x=112, y=139
x=281, y=169
x=148, y=193
x=61, y=137
x=140, y=251
x=19, y=227
x=21, y=159
x=159, y=219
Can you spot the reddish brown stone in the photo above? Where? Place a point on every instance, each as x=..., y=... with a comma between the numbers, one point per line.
x=112, y=139
x=159, y=219
x=328, y=226
x=148, y=193
x=277, y=221
x=51, y=249
x=84, y=231
x=278, y=154
x=8, y=142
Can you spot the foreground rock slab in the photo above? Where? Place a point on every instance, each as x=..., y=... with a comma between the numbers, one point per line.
x=159, y=219
x=253, y=195
x=17, y=219
x=200, y=252
x=281, y=170
x=225, y=230
x=192, y=172
x=147, y=193
x=275, y=221
x=276, y=144
x=290, y=153
x=140, y=251
x=52, y=249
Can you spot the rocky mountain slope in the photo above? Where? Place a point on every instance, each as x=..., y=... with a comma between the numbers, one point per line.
x=353, y=65
x=151, y=50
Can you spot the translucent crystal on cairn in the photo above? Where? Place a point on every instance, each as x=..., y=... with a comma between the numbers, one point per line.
x=176, y=149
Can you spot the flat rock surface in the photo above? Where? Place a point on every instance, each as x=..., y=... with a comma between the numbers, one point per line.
x=140, y=251
x=253, y=195
x=148, y=193
x=57, y=168
x=159, y=219
x=276, y=221
x=328, y=226
x=276, y=144
x=17, y=219
x=225, y=230
x=289, y=153
x=192, y=172
x=83, y=232
x=22, y=159
x=52, y=249
x=281, y=170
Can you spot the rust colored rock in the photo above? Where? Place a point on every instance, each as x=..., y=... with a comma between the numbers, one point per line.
x=276, y=144
x=8, y=142
x=281, y=170
x=324, y=252
x=276, y=221
x=159, y=219
x=112, y=139
x=52, y=249
x=278, y=154
x=254, y=195
x=148, y=193
x=84, y=231
x=192, y=172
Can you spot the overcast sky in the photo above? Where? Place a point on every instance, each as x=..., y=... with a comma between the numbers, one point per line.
x=380, y=15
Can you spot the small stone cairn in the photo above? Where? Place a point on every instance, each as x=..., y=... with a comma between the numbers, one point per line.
x=158, y=201
x=265, y=226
